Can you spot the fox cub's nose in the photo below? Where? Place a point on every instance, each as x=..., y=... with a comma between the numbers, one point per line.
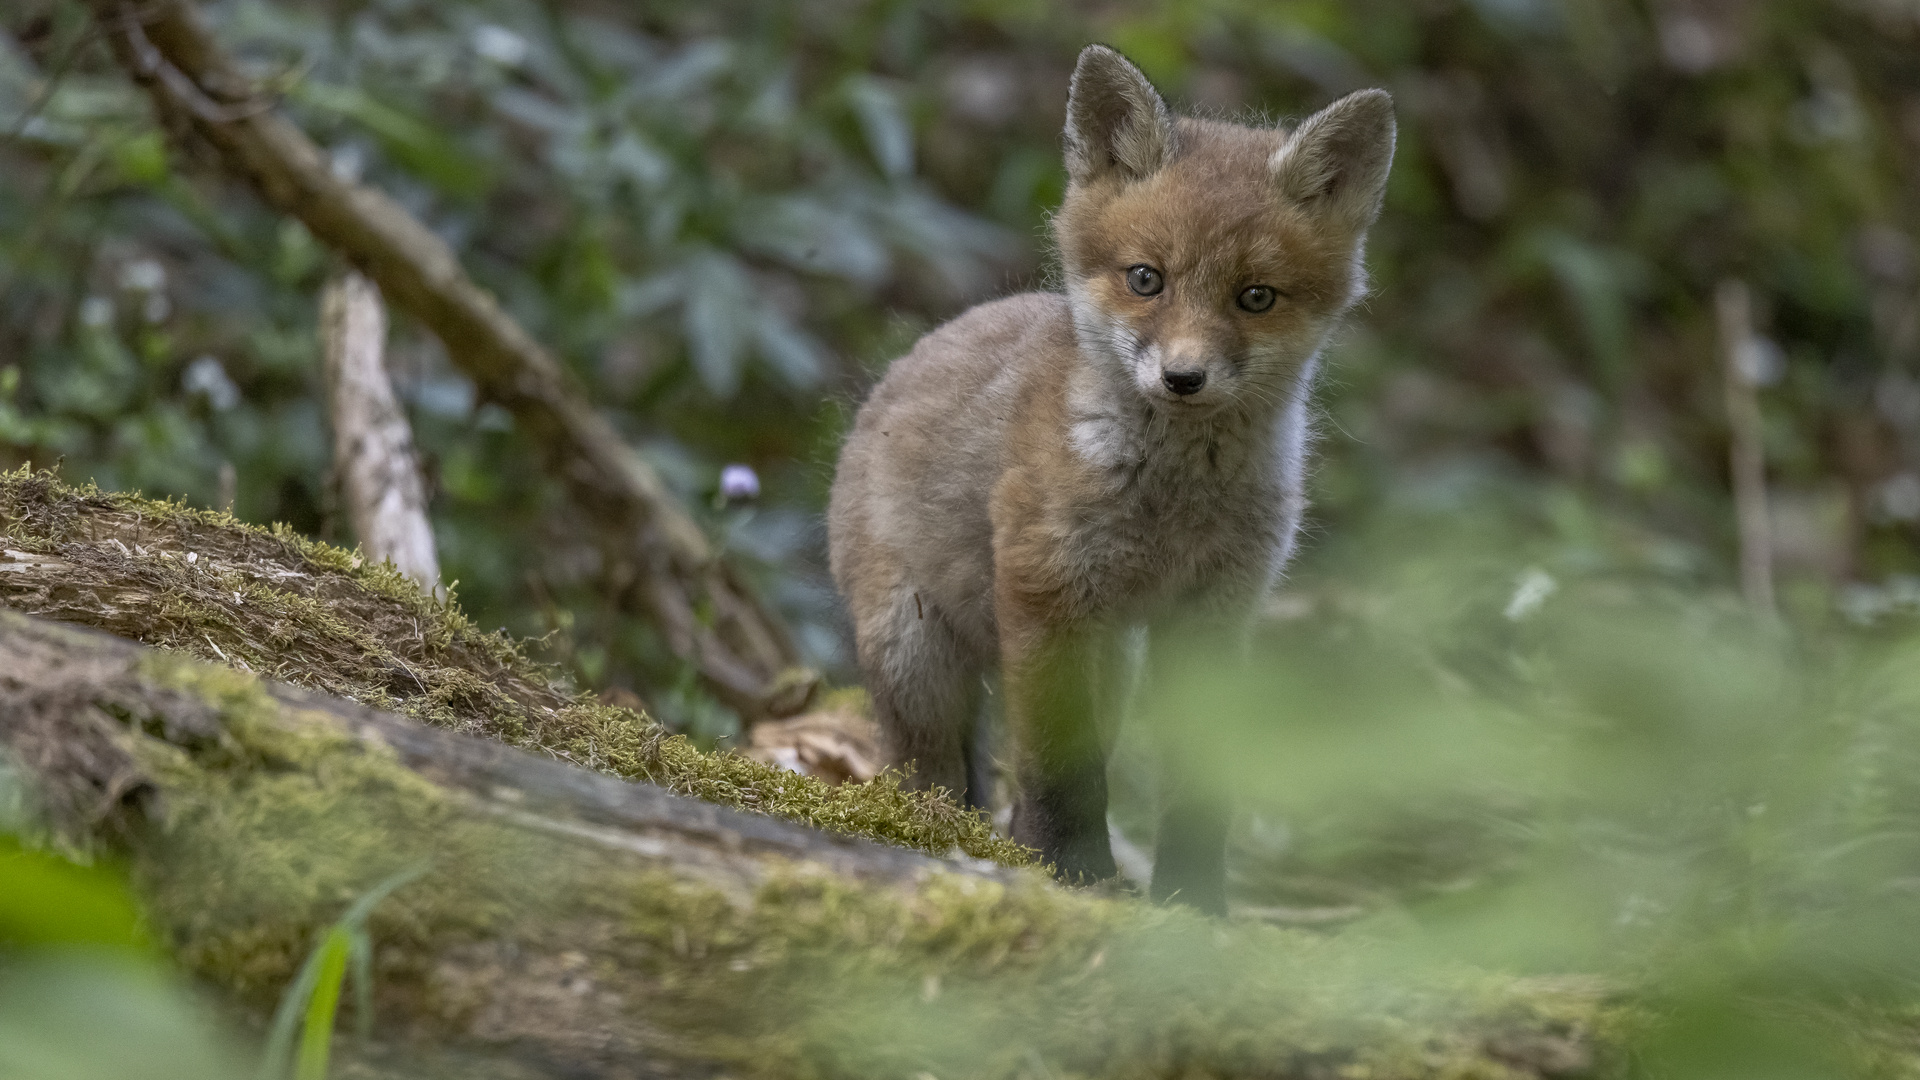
x=1184, y=382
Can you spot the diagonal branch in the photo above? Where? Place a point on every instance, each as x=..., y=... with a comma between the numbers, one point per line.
x=677, y=580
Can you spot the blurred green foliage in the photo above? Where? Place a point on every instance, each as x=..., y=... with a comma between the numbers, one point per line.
x=83, y=995
x=1559, y=770
x=705, y=224
x=51, y=901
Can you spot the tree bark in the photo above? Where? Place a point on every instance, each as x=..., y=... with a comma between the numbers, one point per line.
x=572, y=925
x=701, y=606
x=373, y=454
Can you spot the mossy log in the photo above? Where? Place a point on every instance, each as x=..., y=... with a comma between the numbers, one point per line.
x=273, y=603
x=572, y=924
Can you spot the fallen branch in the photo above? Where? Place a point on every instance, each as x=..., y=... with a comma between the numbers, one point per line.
x=574, y=925
x=373, y=454
x=663, y=562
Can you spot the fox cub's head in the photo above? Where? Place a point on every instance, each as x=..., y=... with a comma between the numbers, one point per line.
x=1205, y=261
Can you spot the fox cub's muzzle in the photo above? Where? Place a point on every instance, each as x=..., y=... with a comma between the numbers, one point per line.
x=1184, y=382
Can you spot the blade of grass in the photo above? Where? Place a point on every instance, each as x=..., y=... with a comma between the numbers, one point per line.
x=301, y=996
x=363, y=907
x=273, y=1064
x=317, y=1039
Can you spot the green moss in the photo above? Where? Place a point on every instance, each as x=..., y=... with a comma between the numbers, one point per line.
x=880, y=808
x=268, y=833
x=267, y=601
x=284, y=607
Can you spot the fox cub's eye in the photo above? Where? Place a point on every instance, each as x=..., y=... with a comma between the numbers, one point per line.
x=1144, y=280
x=1256, y=298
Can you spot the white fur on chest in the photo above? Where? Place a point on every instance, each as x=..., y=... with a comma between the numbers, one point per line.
x=1182, y=506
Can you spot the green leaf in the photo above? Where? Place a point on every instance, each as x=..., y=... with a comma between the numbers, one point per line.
x=315, y=990
x=792, y=351
x=808, y=234
x=72, y=1015
x=142, y=159
x=414, y=143
x=883, y=120
x=317, y=1038
x=716, y=318
x=48, y=900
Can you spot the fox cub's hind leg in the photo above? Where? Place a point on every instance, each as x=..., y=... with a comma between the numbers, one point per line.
x=926, y=686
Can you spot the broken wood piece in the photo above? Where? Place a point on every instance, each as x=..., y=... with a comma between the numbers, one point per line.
x=373, y=455
x=837, y=743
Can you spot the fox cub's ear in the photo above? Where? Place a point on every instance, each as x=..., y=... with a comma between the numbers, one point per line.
x=1116, y=121
x=1336, y=161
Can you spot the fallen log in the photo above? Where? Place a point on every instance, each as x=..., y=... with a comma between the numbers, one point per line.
x=273, y=603
x=571, y=924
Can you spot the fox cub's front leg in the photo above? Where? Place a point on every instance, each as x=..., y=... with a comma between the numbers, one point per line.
x=1190, y=854
x=1060, y=744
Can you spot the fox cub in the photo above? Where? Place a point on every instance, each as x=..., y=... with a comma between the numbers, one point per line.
x=1047, y=471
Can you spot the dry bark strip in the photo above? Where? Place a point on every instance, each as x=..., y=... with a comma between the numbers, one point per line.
x=571, y=925
x=373, y=456
x=657, y=553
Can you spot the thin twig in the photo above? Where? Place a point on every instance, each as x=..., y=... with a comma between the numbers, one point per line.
x=150, y=64
x=1733, y=305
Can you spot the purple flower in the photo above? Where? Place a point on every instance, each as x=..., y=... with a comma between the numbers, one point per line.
x=738, y=482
